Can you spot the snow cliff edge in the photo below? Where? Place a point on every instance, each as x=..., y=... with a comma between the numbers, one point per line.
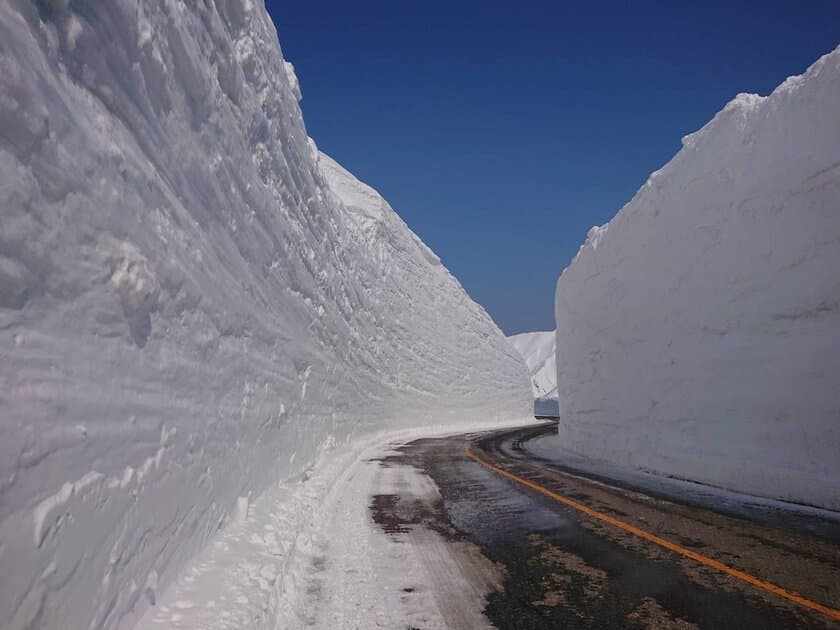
x=698, y=331
x=189, y=312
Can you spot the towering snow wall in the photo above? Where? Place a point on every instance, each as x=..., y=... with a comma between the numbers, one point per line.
x=188, y=311
x=538, y=349
x=698, y=332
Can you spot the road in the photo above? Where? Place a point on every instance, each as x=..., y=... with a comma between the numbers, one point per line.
x=552, y=548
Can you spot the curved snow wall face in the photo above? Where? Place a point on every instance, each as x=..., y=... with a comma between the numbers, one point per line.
x=698, y=331
x=188, y=313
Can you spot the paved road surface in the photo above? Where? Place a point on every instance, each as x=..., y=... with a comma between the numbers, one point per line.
x=561, y=550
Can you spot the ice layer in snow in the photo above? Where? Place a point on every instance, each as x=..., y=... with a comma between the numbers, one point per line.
x=538, y=349
x=194, y=304
x=698, y=331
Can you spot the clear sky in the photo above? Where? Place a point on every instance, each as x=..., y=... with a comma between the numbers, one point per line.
x=502, y=131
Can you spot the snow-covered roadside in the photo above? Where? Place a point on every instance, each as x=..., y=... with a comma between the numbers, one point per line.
x=753, y=507
x=307, y=553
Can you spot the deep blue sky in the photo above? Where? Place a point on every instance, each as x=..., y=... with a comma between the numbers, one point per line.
x=502, y=131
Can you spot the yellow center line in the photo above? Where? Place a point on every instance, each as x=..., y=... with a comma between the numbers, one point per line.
x=833, y=613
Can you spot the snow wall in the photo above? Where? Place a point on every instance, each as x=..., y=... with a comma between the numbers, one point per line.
x=538, y=349
x=188, y=311
x=698, y=332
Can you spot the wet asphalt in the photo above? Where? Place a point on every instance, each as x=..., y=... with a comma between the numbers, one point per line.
x=559, y=568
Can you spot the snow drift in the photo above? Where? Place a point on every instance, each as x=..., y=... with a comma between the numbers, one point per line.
x=539, y=349
x=193, y=303
x=698, y=331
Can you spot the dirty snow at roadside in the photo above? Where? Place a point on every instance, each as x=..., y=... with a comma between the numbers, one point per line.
x=309, y=554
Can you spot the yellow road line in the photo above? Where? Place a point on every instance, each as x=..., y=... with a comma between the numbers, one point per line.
x=833, y=613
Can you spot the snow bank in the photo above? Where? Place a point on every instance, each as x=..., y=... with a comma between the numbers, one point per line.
x=287, y=564
x=539, y=350
x=698, y=331
x=188, y=311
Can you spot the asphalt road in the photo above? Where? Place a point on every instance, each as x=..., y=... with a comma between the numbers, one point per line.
x=563, y=550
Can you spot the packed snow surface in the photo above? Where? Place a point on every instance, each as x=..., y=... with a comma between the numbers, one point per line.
x=307, y=553
x=194, y=303
x=698, y=331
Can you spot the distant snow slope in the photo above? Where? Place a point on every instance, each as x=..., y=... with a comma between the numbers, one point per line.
x=539, y=351
x=188, y=310
x=698, y=332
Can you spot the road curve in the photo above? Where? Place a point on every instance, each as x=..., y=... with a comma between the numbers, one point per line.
x=576, y=551
x=522, y=473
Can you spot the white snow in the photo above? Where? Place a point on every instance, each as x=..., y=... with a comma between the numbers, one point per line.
x=698, y=331
x=309, y=554
x=539, y=351
x=189, y=313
